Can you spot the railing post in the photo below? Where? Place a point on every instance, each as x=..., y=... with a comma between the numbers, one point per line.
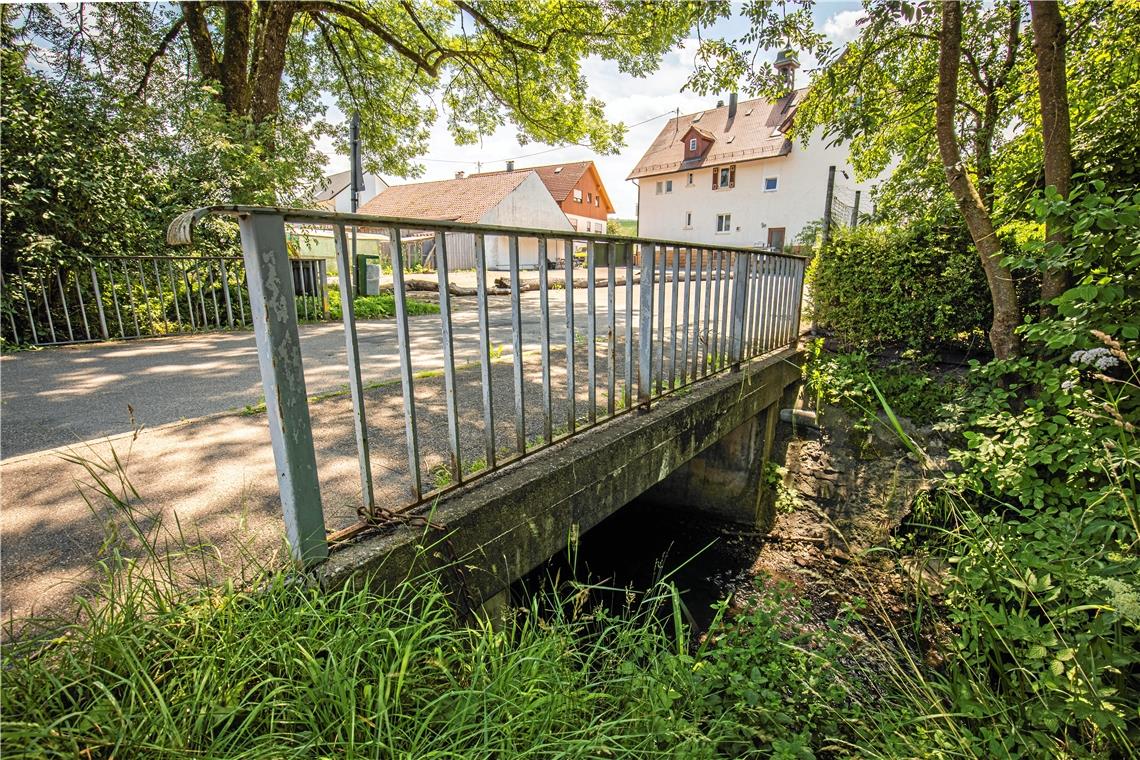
x=645, y=334
x=99, y=303
x=355, y=384
x=739, y=308
x=274, y=312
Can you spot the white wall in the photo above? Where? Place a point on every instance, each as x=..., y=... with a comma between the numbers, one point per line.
x=373, y=186
x=798, y=200
x=587, y=223
x=528, y=205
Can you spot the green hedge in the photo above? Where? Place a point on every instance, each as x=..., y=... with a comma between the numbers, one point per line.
x=920, y=286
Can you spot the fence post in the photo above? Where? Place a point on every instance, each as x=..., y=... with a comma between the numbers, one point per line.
x=645, y=334
x=739, y=308
x=855, y=211
x=274, y=312
x=322, y=272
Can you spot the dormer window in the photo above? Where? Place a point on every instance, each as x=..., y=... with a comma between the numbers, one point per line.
x=692, y=145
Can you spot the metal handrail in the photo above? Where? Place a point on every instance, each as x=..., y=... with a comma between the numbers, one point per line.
x=738, y=304
x=180, y=231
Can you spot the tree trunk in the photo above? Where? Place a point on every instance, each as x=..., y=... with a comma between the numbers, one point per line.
x=1007, y=313
x=1049, y=47
x=271, y=40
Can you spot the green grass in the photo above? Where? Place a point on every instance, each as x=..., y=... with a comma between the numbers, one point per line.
x=626, y=226
x=382, y=306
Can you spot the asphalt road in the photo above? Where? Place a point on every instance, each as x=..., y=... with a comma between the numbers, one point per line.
x=64, y=396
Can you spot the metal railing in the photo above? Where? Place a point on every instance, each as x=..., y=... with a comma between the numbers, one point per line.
x=126, y=297
x=682, y=313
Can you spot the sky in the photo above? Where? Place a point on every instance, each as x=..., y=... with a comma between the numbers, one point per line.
x=647, y=103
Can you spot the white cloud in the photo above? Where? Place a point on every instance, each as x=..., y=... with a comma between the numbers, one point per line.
x=842, y=27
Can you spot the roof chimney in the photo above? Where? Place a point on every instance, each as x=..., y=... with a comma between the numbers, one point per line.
x=459, y=174
x=732, y=105
x=720, y=104
x=510, y=166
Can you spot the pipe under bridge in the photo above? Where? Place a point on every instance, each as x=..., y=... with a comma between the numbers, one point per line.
x=689, y=351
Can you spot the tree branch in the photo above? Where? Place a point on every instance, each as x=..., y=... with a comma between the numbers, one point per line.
x=160, y=51
x=200, y=39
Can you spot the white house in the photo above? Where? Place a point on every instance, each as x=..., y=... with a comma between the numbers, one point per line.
x=510, y=199
x=334, y=193
x=732, y=175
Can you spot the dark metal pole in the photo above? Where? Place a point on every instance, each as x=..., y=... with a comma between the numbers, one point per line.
x=855, y=211
x=356, y=184
x=827, y=204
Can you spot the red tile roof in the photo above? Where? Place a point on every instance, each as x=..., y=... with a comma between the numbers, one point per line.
x=453, y=200
x=560, y=179
x=754, y=134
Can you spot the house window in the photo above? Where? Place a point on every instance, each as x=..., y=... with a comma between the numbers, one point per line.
x=724, y=222
x=660, y=187
x=690, y=179
x=688, y=220
x=598, y=201
x=724, y=177
x=770, y=184
x=578, y=196
x=692, y=145
x=668, y=185
x=589, y=197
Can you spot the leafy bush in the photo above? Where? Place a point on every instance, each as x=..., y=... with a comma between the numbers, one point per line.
x=920, y=285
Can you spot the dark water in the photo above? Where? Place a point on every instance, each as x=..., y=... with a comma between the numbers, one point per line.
x=642, y=544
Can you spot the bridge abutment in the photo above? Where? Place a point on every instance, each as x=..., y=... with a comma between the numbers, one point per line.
x=727, y=480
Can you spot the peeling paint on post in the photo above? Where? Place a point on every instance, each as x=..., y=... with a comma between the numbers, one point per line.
x=274, y=314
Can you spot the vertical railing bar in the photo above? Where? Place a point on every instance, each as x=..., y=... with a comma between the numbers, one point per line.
x=749, y=309
x=301, y=271
x=627, y=397
x=115, y=298
x=684, y=373
x=696, y=272
x=798, y=306
x=544, y=327
x=730, y=303
x=516, y=323
x=63, y=303
x=485, y=348
x=758, y=303
x=131, y=298
x=323, y=275
x=714, y=341
x=791, y=289
x=242, y=285
x=28, y=304
x=660, y=369
x=174, y=296
x=706, y=328
x=726, y=310
x=47, y=306
x=355, y=383
x=202, y=294
x=146, y=295
x=591, y=333
x=673, y=319
x=161, y=299
x=283, y=380
x=611, y=311
x=82, y=308
x=773, y=283
x=99, y=304
x=778, y=322
x=571, y=400
x=226, y=291
x=742, y=270
x=184, y=277
x=781, y=328
x=645, y=333
x=441, y=265
x=405, y=350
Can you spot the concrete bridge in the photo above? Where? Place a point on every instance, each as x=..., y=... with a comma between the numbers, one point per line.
x=682, y=396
